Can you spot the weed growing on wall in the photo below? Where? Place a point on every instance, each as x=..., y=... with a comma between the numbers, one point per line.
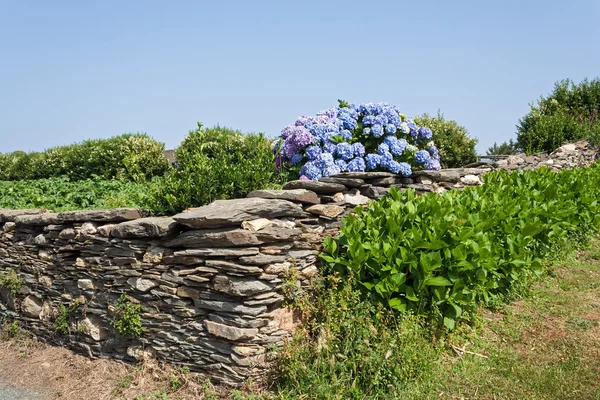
x=128, y=320
x=64, y=319
x=11, y=281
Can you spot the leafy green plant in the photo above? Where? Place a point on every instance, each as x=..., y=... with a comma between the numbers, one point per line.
x=570, y=112
x=505, y=148
x=215, y=163
x=441, y=256
x=352, y=347
x=62, y=194
x=455, y=145
x=11, y=281
x=64, y=319
x=128, y=320
x=135, y=157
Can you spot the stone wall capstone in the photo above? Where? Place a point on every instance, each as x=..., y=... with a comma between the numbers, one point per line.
x=209, y=280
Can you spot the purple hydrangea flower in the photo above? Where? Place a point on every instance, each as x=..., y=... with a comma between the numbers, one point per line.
x=433, y=164
x=356, y=165
x=422, y=156
x=297, y=140
x=359, y=149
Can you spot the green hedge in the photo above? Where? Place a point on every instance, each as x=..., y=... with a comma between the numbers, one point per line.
x=212, y=164
x=135, y=157
x=443, y=255
x=60, y=194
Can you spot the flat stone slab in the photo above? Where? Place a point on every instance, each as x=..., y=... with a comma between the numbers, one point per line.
x=222, y=213
x=250, y=251
x=349, y=182
x=39, y=219
x=151, y=227
x=114, y=215
x=223, y=238
x=8, y=215
x=444, y=175
x=297, y=195
x=317, y=187
x=326, y=210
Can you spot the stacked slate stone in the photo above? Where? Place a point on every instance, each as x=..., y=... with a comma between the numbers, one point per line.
x=580, y=154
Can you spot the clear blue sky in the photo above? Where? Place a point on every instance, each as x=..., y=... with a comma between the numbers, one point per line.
x=72, y=70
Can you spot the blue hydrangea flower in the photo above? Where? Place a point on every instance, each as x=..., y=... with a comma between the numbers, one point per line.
x=434, y=152
x=324, y=159
x=345, y=151
x=382, y=149
x=311, y=171
x=377, y=130
x=356, y=165
x=367, y=131
x=425, y=133
x=359, y=149
x=372, y=161
x=296, y=158
x=368, y=120
x=302, y=120
x=312, y=152
x=329, y=147
x=404, y=128
x=414, y=130
x=433, y=164
x=422, y=156
x=341, y=164
x=346, y=134
x=331, y=170
x=390, y=140
x=393, y=166
x=390, y=129
x=405, y=169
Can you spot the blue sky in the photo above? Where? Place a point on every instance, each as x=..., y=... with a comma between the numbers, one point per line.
x=72, y=70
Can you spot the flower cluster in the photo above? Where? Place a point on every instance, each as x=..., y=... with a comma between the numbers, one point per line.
x=356, y=138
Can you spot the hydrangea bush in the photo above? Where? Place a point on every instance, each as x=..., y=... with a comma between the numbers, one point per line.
x=356, y=138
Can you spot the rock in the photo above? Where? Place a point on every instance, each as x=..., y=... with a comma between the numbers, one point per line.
x=356, y=199
x=348, y=182
x=31, y=307
x=229, y=307
x=230, y=332
x=471, y=180
x=296, y=195
x=375, y=192
x=88, y=228
x=310, y=272
x=8, y=215
x=262, y=259
x=284, y=319
x=514, y=160
x=215, y=238
x=185, y=291
x=384, y=181
x=256, y=225
x=154, y=255
x=40, y=240
x=222, y=213
x=9, y=227
x=114, y=215
x=424, y=180
x=317, y=187
x=40, y=219
x=231, y=267
x=67, y=234
x=141, y=284
x=85, y=284
x=45, y=280
x=326, y=210
x=104, y=230
x=239, y=286
x=94, y=329
x=140, y=353
x=151, y=227
x=566, y=148
x=250, y=251
x=501, y=163
x=338, y=197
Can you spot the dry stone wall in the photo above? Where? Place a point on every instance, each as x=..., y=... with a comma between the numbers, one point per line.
x=210, y=281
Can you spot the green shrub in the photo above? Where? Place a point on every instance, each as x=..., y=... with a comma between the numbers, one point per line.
x=443, y=255
x=11, y=281
x=569, y=113
x=61, y=194
x=128, y=320
x=135, y=157
x=62, y=323
x=455, y=146
x=212, y=164
x=352, y=348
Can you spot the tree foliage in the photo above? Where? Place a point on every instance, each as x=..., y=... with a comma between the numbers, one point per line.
x=505, y=148
x=569, y=113
x=455, y=145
